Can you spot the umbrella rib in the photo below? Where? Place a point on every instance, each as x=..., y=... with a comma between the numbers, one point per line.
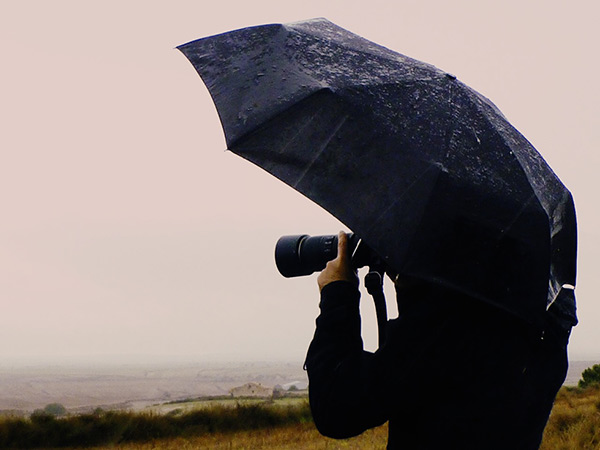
x=531, y=199
x=381, y=54
x=383, y=214
x=322, y=148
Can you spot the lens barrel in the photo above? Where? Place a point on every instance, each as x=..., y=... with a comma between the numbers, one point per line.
x=300, y=255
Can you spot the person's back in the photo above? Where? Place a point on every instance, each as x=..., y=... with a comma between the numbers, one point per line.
x=453, y=372
x=481, y=380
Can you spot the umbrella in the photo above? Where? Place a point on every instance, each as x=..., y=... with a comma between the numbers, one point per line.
x=427, y=171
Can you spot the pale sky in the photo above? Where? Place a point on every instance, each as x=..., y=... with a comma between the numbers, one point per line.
x=128, y=232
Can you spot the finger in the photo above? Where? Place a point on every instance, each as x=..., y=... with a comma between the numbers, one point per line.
x=342, y=246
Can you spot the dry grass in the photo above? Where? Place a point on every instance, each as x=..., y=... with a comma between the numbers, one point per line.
x=574, y=425
x=302, y=437
x=575, y=421
x=113, y=428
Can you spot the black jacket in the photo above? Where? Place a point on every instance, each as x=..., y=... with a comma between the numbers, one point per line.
x=453, y=373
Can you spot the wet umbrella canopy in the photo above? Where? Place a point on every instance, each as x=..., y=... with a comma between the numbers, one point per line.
x=426, y=170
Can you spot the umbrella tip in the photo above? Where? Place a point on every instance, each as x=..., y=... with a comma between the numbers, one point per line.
x=308, y=21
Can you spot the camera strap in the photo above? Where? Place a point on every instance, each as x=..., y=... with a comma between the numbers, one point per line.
x=374, y=285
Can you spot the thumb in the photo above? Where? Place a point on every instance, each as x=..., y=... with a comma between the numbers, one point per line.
x=342, y=250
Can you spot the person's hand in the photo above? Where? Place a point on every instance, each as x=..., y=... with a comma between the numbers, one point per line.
x=340, y=268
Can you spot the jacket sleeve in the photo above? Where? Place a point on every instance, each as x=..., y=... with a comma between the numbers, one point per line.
x=347, y=385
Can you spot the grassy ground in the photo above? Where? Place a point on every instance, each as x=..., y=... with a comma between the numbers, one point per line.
x=574, y=425
x=575, y=421
x=115, y=427
x=301, y=436
x=194, y=404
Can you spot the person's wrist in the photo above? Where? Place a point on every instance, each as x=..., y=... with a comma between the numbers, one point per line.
x=339, y=293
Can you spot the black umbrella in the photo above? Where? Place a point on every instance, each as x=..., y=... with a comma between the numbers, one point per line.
x=425, y=170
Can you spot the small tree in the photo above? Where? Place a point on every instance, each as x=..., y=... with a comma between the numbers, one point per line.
x=55, y=409
x=590, y=376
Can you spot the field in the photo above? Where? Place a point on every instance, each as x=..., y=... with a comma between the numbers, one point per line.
x=300, y=436
x=574, y=425
x=254, y=424
x=84, y=387
x=575, y=420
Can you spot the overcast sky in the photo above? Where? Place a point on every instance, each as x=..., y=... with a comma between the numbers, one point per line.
x=127, y=230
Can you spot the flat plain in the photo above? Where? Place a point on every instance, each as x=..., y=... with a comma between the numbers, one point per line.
x=82, y=388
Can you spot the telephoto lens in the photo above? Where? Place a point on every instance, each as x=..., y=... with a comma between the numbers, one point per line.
x=300, y=255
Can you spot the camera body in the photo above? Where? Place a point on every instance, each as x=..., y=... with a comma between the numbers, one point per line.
x=301, y=255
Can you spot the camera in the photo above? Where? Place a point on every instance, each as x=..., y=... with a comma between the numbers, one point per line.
x=300, y=255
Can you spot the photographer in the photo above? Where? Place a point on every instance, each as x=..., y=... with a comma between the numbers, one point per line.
x=453, y=373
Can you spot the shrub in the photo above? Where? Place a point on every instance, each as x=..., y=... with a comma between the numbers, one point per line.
x=110, y=428
x=590, y=376
x=55, y=409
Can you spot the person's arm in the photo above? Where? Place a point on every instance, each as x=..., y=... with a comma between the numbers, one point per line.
x=347, y=385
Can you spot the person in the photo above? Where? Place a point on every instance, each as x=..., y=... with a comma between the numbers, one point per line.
x=453, y=373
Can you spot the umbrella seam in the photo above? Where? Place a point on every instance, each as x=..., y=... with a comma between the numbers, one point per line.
x=406, y=191
x=243, y=137
x=398, y=58
x=339, y=125
x=525, y=205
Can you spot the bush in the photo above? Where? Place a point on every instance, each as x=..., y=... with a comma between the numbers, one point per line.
x=110, y=428
x=590, y=376
x=55, y=409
